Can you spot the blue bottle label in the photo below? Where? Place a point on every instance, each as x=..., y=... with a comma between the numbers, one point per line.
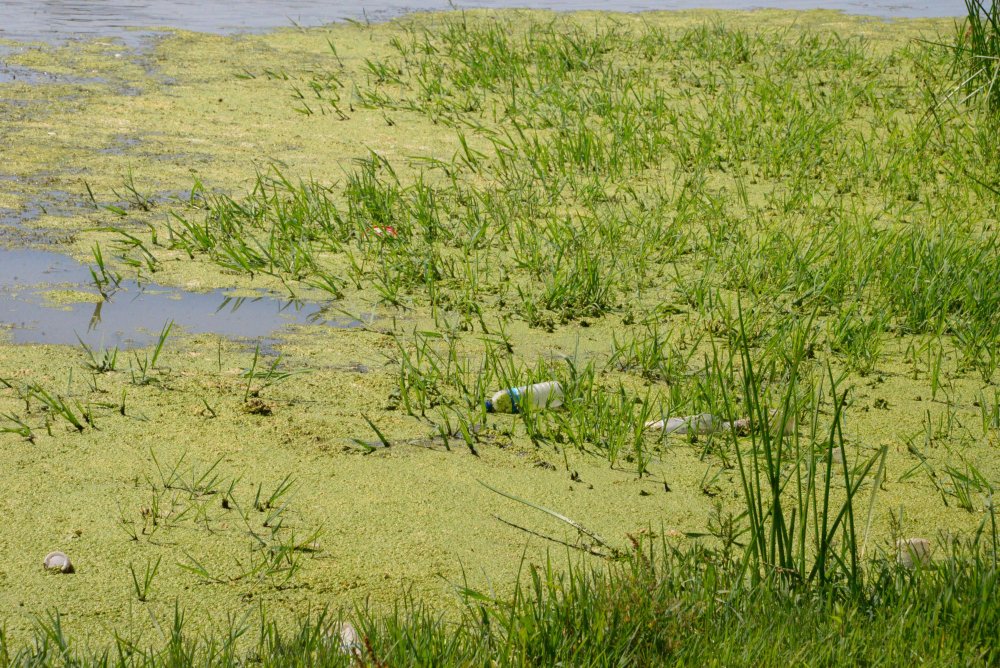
x=515, y=399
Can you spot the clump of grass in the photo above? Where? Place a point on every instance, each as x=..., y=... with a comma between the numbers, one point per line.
x=797, y=529
x=190, y=496
x=259, y=379
x=660, y=604
x=145, y=365
x=143, y=585
x=654, y=353
x=859, y=337
x=966, y=483
x=15, y=425
x=105, y=279
x=101, y=360
x=60, y=406
x=977, y=53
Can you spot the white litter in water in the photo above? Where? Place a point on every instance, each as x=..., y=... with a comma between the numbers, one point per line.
x=703, y=423
x=706, y=423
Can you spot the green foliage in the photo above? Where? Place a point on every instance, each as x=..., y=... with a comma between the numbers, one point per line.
x=977, y=52
x=746, y=204
x=658, y=605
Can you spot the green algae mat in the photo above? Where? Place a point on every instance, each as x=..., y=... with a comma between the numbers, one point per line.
x=747, y=215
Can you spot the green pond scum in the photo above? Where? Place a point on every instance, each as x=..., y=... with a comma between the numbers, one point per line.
x=768, y=215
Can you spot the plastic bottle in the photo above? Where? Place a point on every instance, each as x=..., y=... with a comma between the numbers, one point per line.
x=539, y=395
x=703, y=423
x=706, y=423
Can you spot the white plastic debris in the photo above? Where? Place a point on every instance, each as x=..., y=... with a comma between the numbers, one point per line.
x=706, y=423
x=539, y=395
x=703, y=423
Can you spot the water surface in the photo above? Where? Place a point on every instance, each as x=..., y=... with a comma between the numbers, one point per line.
x=58, y=19
x=133, y=314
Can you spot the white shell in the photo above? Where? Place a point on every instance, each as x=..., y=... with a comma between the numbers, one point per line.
x=58, y=561
x=913, y=551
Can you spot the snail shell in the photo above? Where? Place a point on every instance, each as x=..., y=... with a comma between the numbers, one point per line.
x=58, y=561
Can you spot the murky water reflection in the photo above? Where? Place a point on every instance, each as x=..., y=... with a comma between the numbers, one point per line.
x=134, y=314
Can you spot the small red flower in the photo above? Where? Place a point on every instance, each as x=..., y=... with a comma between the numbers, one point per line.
x=384, y=231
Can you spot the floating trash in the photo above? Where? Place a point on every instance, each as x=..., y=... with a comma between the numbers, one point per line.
x=539, y=395
x=703, y=423
x=706, y=423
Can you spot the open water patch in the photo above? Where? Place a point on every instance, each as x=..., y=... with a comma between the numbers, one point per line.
x=58, y=20
x=133, y=314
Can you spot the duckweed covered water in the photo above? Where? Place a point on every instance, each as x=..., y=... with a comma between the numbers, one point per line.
x=253, y=477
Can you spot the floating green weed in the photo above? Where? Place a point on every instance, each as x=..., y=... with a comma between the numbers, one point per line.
x=737, y=204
